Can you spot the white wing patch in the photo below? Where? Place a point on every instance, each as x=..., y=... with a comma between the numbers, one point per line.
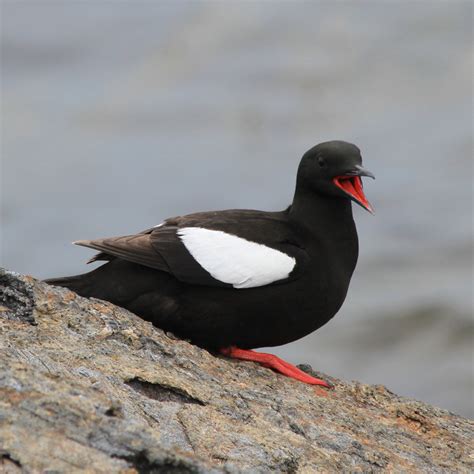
x=236, y=261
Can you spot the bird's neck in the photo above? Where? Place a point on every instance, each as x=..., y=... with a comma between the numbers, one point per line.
x=331, y=215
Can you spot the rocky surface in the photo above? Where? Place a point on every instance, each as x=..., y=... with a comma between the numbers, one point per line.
x=88, y=386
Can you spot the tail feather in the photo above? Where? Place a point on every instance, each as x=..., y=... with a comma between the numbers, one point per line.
x=80, y=284
x=117, y=281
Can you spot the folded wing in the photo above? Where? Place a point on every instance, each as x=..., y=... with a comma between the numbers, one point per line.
x=213, y=249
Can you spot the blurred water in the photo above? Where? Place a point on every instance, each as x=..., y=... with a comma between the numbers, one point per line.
x=119, y=114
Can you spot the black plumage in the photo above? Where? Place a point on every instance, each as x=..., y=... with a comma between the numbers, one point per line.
x=156, y=276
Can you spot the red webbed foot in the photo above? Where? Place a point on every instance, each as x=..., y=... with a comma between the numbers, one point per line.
x=273, y=362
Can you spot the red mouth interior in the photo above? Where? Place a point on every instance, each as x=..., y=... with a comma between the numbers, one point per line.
x=352, y=185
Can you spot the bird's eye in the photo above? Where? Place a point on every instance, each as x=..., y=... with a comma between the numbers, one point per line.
x=321, y=162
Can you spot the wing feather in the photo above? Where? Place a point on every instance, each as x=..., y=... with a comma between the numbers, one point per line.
x=134, y=248
x=236, y=258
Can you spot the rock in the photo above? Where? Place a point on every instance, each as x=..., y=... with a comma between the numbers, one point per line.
x=88, y=386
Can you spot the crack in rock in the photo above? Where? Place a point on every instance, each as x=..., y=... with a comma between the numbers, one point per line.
x=145, y=464
x=162, y=393
x=8, y=465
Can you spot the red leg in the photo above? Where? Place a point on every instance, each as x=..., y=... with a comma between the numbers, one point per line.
x=273, y=362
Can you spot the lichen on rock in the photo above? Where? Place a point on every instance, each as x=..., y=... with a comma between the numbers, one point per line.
x=88, y=386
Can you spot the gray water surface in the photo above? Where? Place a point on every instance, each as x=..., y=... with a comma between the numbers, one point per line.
x=116, y=115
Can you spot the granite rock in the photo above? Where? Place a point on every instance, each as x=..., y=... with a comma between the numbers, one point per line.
x=86, y=386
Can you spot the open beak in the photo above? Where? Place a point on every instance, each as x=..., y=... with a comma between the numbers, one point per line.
x=351, y=184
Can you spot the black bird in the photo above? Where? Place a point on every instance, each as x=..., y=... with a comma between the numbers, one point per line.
x=234, y=280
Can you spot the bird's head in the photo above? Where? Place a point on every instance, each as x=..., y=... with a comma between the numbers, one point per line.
x=334, y=169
